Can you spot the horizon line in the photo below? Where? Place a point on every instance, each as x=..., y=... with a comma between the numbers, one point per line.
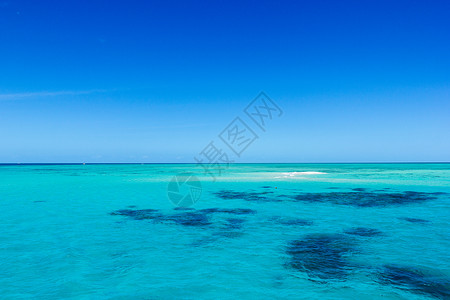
x=238, y=163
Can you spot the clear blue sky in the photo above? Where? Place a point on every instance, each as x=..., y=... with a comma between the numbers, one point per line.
x=156, y=81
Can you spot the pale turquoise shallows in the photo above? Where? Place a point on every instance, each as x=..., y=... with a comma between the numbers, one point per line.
x=260, y=231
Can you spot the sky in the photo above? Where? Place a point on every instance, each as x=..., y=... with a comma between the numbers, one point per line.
x=158, y=81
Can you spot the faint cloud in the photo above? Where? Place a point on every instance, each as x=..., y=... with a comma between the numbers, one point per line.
x=19, y=96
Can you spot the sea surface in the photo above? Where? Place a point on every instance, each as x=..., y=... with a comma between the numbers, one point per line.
x=258, y=231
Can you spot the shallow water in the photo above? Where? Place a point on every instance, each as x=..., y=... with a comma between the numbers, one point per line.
x=268, y=231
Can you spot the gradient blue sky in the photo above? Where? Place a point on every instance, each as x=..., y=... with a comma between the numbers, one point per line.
x=156, y=81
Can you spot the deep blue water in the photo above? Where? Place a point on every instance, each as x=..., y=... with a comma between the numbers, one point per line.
x=260, y=231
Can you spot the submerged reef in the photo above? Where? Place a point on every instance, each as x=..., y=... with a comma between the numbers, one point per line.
x=187, y=217
x=235, y=211
x=231, y=229
x=358, y=197
x=183, y=208
x=359, y=189
x=415, y=281
x=415, y=220
x=322, y=256
x=138, y=214
x=365, y=199
x=247, y=196
x=234, y=223
x=363, y=231
x=291, y=221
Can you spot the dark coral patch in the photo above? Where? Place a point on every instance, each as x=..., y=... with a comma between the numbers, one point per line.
x=210, y=210
x=439, y=193
x=235, y=211
x=359, y=197
x=138, y=214
x=413, y=280
x=232, y=228
x=415, y=220
x=365, y=199
x=186, y=217
x=363, y=231
x=247, y=196
x=291, y=221
x=234, y=223
x=190, y=219
x=265, y=193
x=322, y=256
x=183, y=208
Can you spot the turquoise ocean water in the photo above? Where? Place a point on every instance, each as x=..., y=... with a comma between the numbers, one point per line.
x=260, y=231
